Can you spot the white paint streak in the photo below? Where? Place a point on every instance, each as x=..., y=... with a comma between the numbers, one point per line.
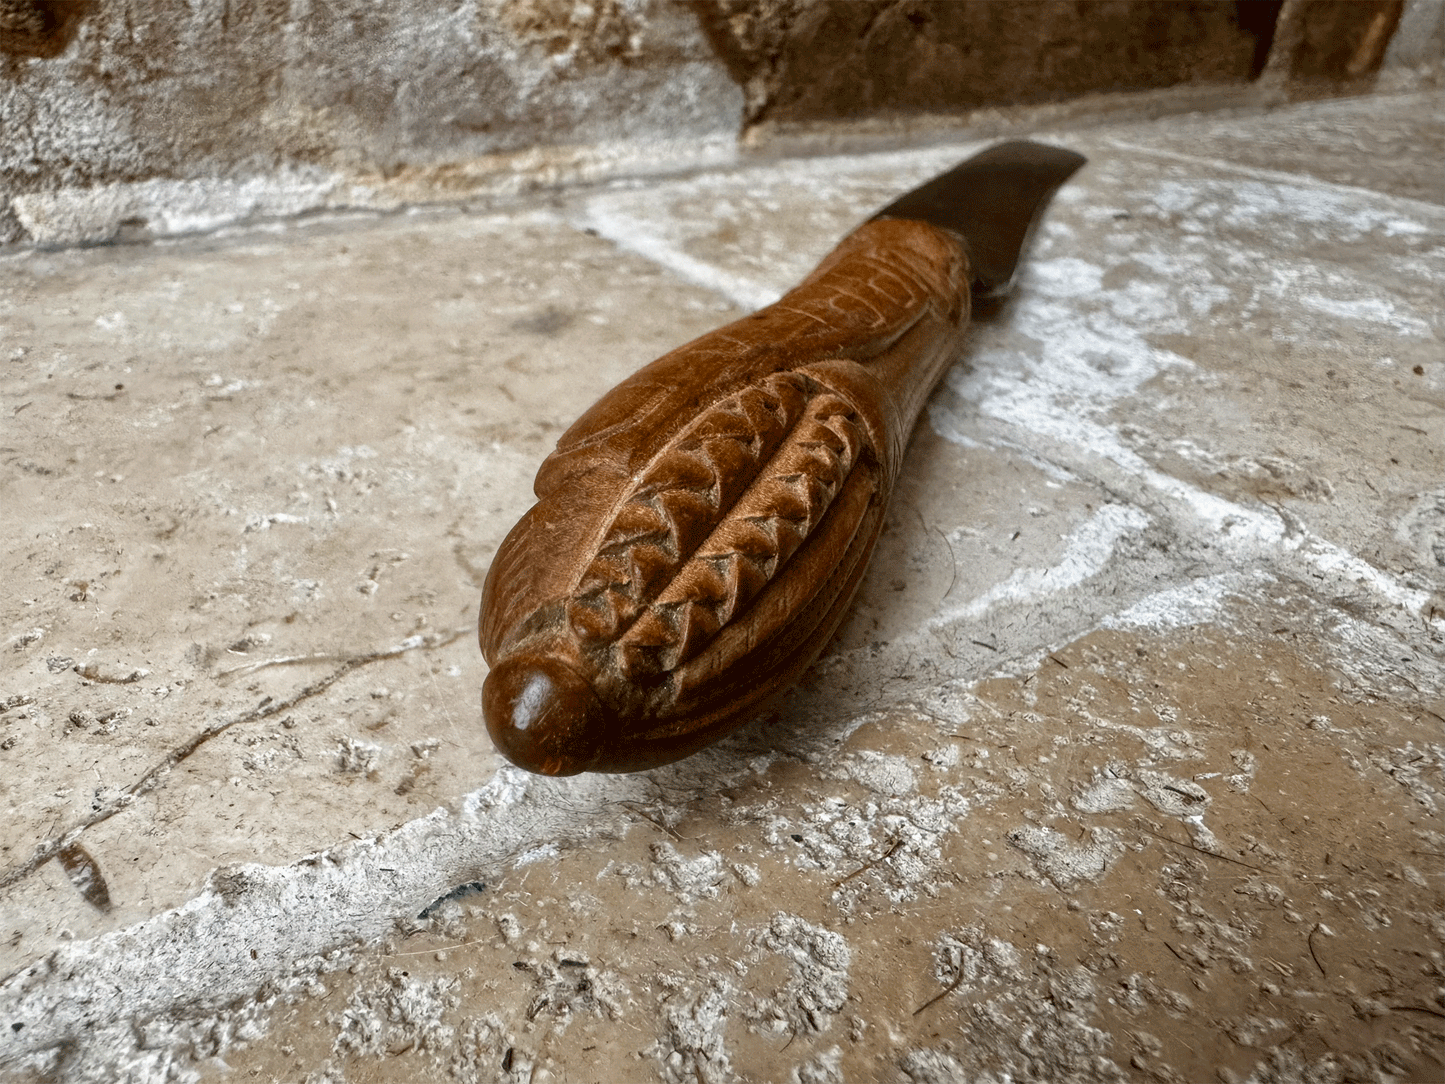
x=1087, y=353
x=1330, y=559
x=1087, y=552
x=632, y=235
x=1341, y=191
x=537, y=854
x=1189, y=603
x=1374, y=309
x=1089, y=363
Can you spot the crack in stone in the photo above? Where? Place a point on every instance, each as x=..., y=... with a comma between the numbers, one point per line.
x=68, y=839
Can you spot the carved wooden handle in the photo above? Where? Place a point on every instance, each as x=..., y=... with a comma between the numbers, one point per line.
x=701, y=530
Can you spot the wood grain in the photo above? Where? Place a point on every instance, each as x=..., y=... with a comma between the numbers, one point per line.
x=700, y=532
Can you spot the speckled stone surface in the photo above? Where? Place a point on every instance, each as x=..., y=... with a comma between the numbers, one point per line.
x=1127, y=766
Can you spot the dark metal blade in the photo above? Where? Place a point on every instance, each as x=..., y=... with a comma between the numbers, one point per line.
x=992, y=201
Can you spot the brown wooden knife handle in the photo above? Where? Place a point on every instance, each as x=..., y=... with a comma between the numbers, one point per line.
x=700, y=531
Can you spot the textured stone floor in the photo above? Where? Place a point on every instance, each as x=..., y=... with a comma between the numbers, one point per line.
x=1127, y=766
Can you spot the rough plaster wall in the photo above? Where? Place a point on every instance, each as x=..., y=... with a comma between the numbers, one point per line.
x=260, y=88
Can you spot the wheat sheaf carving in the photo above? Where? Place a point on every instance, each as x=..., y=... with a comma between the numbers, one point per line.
x=711, y=521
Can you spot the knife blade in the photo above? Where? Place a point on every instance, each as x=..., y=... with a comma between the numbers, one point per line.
x=701, y=530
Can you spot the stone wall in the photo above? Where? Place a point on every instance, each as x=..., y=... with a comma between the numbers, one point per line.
x=123, y=118
x=805, y=61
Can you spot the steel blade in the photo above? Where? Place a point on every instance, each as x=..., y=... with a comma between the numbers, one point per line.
x=992, y=201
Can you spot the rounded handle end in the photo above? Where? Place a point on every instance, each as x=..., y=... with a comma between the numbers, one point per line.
x=544, y=716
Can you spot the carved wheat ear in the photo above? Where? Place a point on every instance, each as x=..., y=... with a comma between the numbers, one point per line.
x=682, y=496
x=776, y=506
x=700, y=532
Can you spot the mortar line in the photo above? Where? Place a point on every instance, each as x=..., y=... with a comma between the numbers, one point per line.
x=1281, y=176
x=631, y=235
x=1305, y=548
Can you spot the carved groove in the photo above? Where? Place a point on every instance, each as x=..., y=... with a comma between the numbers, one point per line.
x=752, y=540
x=678, y=502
